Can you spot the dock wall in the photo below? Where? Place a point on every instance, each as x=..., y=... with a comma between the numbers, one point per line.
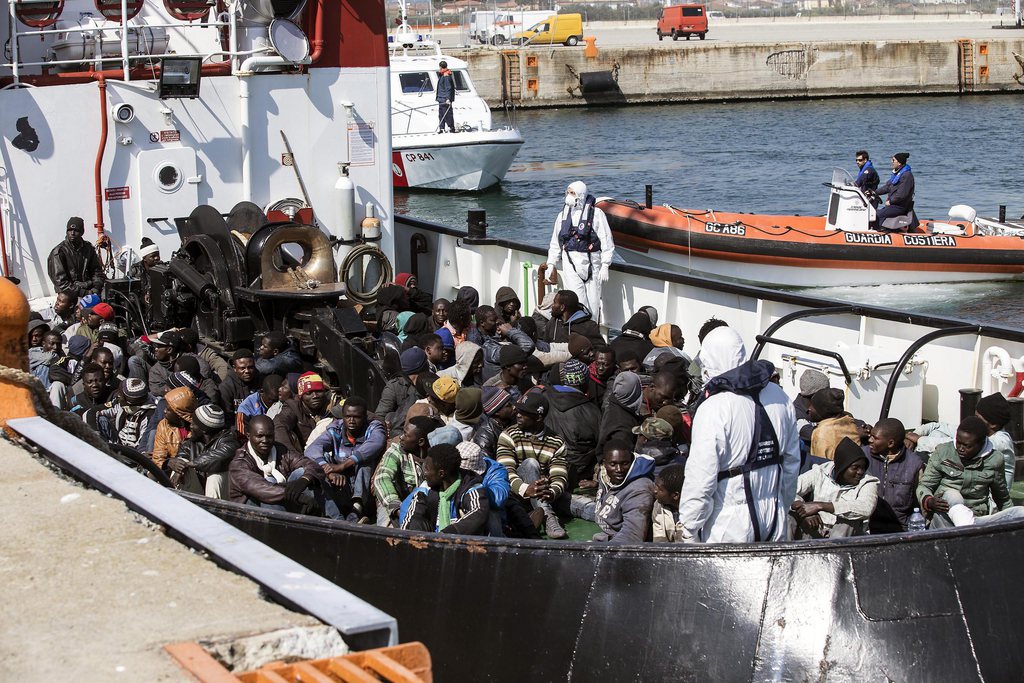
x=553, y=76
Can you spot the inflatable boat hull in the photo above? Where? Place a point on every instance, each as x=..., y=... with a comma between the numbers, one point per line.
x=934, y=606
x=798, y=251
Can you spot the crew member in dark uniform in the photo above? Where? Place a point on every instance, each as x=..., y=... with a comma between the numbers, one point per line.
x=900, y=188
x=73, y=264
x=867, y=178
x=445, y=98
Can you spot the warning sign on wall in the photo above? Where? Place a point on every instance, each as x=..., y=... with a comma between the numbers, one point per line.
x=114, y=194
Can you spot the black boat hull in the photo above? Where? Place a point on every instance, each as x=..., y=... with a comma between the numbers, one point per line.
x=938, y=606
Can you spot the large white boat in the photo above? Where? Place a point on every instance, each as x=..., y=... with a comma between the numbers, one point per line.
x=476, y=156
x=102, y=119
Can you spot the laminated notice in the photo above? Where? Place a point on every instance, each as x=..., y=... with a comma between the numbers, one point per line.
x=361, y=148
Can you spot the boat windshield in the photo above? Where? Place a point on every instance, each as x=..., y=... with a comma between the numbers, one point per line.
x=462, y=83
x=415, y=82
x=841, y=176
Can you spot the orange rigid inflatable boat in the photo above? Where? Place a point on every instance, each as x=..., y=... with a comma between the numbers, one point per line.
x=838, y=248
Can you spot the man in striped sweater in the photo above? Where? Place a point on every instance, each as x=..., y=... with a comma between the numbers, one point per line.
x=535, y=460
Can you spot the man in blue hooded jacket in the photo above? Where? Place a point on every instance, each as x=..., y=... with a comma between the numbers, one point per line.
x=625, y=495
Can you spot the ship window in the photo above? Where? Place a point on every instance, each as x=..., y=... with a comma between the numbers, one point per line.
x=415, y=82
x=461, y=81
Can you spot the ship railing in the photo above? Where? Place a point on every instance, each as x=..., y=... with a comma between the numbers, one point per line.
x=127, y=25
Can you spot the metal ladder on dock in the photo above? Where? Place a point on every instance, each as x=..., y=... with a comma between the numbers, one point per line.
x=965, y=56
x=511, y=77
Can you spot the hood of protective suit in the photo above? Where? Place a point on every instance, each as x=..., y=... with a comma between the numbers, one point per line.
x=721, y=351
x=580, y=189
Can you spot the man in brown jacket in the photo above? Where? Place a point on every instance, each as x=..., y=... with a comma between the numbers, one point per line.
x=834, y=423
x=268, y=474
x=175, y=426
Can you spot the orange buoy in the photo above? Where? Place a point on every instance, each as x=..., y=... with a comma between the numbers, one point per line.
x=15, y=399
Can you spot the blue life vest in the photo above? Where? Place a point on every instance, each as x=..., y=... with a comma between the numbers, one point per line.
x=894, y=179
x=580, y=237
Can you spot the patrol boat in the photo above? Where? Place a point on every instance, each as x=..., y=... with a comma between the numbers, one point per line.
x=183, y=144
x=839, y=248
x=475, y=157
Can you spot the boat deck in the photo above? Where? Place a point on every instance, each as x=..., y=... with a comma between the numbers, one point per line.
x=91, y=588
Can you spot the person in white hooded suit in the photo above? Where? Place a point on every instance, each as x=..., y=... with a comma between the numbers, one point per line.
x=713, y=503
x=582, y=244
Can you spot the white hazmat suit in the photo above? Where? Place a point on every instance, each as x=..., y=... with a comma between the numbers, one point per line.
x=713, y=511
x=582, y=271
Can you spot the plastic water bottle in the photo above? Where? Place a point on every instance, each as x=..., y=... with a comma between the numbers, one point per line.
x=916, y=521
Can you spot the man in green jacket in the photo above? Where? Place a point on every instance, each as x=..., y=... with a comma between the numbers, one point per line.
x=966, y=471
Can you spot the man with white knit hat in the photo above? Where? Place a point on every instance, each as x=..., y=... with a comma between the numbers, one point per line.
x=209, y=449
x=581, y=234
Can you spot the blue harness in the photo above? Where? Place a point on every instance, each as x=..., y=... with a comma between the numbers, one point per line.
x=864, y=169
x=894, y=179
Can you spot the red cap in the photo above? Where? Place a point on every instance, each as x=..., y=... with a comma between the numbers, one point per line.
x=405, y=279
x=104, y=311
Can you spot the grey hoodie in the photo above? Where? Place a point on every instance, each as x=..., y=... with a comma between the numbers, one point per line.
x=624, y=511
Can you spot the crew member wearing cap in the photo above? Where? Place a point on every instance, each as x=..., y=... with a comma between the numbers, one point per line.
x=73, y=265
x=206, y=454
x=300, y=416
x=348, y=452
x=899, y=187
x=499, y=412
x=575, y=418
x=535, y=460
x=835, y=499
x=581, y=238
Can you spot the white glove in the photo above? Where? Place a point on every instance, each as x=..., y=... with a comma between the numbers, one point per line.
x=604, y=274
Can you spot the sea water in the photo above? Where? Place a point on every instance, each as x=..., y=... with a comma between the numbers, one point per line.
x=766, y=157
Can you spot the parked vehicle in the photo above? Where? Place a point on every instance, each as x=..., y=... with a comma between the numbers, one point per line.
x=683, y=20
x=716, y=14
x=557, y=28
x=505, y=25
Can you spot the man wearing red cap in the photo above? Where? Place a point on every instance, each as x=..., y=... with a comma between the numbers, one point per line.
x=73, y=265
x=300, y=416
x=419, y=301
x=92, y=319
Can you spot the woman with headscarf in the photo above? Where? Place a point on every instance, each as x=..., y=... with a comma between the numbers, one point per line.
x=400, y=321
x=621, y=411
x=469, y=365
x=635, y=336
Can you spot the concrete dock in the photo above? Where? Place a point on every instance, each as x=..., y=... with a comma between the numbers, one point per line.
x=91, y=591
x=753, y=59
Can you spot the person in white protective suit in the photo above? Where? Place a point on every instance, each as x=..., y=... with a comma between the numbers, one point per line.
x=733, y=493
x=582, y=243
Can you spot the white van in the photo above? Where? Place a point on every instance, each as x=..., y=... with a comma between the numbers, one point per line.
x=507, y=24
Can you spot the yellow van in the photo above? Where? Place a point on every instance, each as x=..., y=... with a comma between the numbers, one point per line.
x=558, y=28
